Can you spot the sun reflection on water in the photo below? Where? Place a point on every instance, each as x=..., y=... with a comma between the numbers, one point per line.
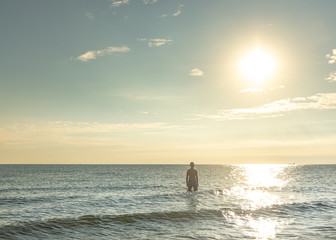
x=255, y=194
x=263, y=175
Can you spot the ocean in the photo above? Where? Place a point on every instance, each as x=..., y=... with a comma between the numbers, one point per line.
x=151, y=202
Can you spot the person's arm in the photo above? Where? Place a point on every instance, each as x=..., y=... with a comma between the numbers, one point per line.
x=196, y=178
x=187, y=178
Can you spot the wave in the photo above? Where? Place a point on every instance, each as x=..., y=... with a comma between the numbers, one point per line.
x=283, y=210
x=27, y=200
x=276, y=210
x=103, y=221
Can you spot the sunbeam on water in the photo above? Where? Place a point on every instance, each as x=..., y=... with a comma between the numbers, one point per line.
x=252, y=193
x=263, y=175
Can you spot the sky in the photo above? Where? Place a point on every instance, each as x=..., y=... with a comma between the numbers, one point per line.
x=167, y=82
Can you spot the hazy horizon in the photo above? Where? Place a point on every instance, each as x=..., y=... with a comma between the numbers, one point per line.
x=168, y=82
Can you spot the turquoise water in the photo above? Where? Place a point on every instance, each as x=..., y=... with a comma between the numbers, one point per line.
x=151, y=202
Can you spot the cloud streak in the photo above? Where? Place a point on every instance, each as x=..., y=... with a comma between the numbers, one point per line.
x=175, y=14
x=156, y=42
x=259, y=90
x=149, y=1
x=117, y=3
x=331, y=77
x=332, y=57
x=90, y=55
x=179, y=11
x=90, y=16
x=251, y=90
x=73, y=132
x=320, y=101
x=143, y=97
x=196, y=72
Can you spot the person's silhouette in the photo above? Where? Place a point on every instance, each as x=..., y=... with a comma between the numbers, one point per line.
x=192, y=178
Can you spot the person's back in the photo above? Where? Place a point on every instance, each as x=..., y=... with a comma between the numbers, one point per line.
x=192, y=178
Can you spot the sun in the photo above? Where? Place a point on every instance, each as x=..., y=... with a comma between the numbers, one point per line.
x=257, y=66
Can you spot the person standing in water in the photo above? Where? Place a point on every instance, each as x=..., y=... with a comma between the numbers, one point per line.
x=192, y=178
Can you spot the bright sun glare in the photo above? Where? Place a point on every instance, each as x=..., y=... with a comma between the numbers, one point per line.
x=257, y=66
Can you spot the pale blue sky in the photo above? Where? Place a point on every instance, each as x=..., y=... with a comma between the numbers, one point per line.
x=145, y=81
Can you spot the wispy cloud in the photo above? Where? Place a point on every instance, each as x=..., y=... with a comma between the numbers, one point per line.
x=156, y=42
x=96, y=127
x=175, y=14
x=196, y=72
x=320, y=101
x=117, y=3
x=90, y=55
x=179, y=11
x=143, y=97
x=331, y=77
x=260, y=90
x=251, y=90
x=90, y=16
x=73, y=132
x=332, y=57
x=149, y=1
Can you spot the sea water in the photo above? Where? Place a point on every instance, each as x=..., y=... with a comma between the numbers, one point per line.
x=151, y=202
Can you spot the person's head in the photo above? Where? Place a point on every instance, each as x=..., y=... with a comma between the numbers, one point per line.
x=192, y=165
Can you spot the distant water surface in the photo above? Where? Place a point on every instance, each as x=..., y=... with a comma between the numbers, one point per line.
x=150, y=202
